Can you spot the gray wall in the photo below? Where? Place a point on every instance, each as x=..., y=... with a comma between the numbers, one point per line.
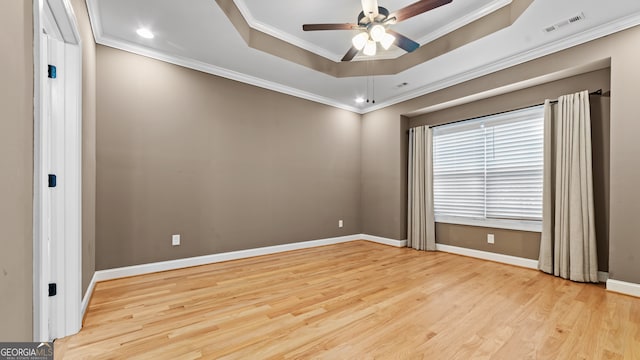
x=227, y=165
x=521, y=243
x=382, y=171
x=16, y=177
x=624, y=146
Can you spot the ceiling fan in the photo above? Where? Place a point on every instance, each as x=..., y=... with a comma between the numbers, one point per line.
x=374, y=22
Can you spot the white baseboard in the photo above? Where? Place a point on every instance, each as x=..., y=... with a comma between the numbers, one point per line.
x=87, y=295
x=623, y=287
x=603, y=276
x=110, y=274
x=134, y=270
x=385, y=241
x=506, y=259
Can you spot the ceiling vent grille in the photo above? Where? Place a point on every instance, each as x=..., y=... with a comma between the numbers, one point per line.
x=561, y=24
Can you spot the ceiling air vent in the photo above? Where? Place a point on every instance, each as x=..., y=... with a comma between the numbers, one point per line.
x=561, y=24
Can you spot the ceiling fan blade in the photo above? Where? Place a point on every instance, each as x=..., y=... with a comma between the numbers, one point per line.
x=316, y=27
x=370, y=8
x=417, y=8
x=404, y=42
x=350, y=54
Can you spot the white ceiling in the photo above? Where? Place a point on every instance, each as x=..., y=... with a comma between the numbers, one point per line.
x=197, y=34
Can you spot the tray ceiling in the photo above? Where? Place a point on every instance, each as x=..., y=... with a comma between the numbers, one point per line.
x=200, y=34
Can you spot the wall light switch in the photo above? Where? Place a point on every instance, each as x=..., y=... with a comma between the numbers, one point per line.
x=340, y=223
x=175, y=240
x=491, y=239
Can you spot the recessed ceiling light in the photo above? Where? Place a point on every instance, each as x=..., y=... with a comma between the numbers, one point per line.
x=360, y=100
x=145, y=33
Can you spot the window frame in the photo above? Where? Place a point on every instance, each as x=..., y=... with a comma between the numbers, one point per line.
x=499, y=223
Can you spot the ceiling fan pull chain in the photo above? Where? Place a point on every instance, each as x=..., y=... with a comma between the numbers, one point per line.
x=373, y=89
x=373, y=86
x=368, y=65
x=367, y=89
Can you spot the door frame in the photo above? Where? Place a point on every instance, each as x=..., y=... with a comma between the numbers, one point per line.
x=62, y=317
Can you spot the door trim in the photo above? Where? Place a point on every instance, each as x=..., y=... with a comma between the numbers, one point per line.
x=58, y=18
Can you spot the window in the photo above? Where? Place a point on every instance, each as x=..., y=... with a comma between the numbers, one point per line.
x=488, y=171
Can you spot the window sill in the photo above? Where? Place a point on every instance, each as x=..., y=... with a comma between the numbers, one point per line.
x=522, y=225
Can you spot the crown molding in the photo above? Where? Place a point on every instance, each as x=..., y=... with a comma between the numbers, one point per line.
x=517, y=59
x=464, y=20
x=222, y=72
x=501, y=64
x=94, y=20
x=283, y=35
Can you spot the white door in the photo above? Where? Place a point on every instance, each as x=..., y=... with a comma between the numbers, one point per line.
x=57, y=179
x=53, y=121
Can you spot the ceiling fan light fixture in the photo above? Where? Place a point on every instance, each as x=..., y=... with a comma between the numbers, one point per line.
x=377, y=32
x=370, y=48
x=387, y=40
x=373, y=20
x=360, y=40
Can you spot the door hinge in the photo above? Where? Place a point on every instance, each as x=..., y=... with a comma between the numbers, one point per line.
x=52, y=180
x=52, y=71
x=53, y=289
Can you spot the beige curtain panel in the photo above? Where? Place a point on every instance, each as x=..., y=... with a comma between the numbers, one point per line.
x=568, y=243
x=420, y=220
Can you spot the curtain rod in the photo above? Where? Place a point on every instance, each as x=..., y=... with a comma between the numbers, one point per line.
x=593, y=93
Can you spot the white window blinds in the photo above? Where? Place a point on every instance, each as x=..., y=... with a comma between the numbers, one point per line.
x=490, y=167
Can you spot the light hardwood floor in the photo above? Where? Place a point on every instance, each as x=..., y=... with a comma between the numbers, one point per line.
x=356, y=300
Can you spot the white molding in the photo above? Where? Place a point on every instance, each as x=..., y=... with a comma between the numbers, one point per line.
x=623, y=287
x=222, y=72
x=485, y=255
x=522, y=225
x=510, y=61
x=66, y=22
x=58, y=262
x=501, y=64
x=282, y=35
x=134, y=270
x=115, y=273
x=547, y=78
x=87, y=295
x=40, y=254
x=464, y=20
x=384, y=241
x=506, y=259
x=94, y=19
x=72, y=182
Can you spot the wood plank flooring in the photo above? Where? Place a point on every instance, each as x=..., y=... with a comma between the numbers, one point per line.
x=356, y=300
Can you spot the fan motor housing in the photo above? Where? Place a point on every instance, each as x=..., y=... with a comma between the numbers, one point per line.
x=382, y=14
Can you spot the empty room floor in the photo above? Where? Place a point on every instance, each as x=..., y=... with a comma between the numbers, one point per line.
x=356, y=300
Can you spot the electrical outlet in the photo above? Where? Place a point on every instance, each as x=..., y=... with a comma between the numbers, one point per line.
x=491, y=239
x=340, y=223
x=175, y=240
